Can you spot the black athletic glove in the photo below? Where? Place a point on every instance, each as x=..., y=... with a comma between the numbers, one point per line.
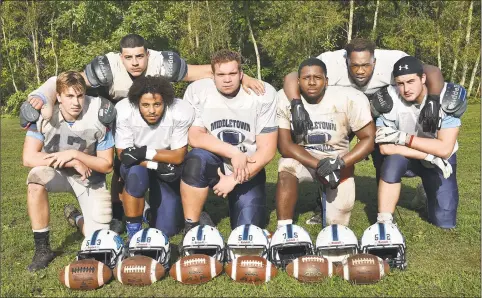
x=333, y=179
x=328, y=165
x=430, y=114
x=133, y=156
x=300, y=118
x=168, y=172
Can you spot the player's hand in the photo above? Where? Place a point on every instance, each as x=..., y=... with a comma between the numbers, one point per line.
x=300, y=119
x=328, y=165
x=240, y=164
x=59, y=159
x=388, y=135
x=225, y=185
x=429, y=116
x=168, y=172
x=36, y=102
x=251, y=83
x=82, y=169
x=333, y=179
x=133, y=155
x=441, y=163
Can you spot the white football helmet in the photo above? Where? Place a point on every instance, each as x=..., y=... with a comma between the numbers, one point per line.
x=336, y=242
x=385, y=241
x=104, y=245
x=288, y=243
x=247, y=240
x=152, y=243
x=203, y=239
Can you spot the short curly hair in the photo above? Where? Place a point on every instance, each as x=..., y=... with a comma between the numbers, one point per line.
x=153, y=85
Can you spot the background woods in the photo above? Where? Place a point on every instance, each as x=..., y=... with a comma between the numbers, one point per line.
x=43, y=38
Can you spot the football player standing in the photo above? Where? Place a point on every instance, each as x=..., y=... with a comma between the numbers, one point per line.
x=70, y=152
x=233, y=137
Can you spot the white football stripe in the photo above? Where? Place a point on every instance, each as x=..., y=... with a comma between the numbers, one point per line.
x=100, y=277
x=119, y=272
x=213, y=267
x=178, y=271
x=153, y=271
x=295, y=268
x=346, y=272
x=233, y=271
x=382, y=268
x=66, y=276
x=268, y=270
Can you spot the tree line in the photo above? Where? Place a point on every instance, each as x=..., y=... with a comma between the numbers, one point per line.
x=43, y=38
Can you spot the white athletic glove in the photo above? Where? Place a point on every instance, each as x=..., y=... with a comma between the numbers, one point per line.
x=441, y=163
x=389, y=135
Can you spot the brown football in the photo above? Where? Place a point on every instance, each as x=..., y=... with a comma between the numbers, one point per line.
x=363, y=269
x=251, y=269
x=138, y=271
x=310, y=268
x=196, y=269
x=85, y=275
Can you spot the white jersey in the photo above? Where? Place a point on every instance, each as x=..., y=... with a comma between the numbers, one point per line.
x=341, y=111
x=122, y=80
x=337, y=71
x=83, y=135
x=170, y=133
x=404, y=116
x=236, y=120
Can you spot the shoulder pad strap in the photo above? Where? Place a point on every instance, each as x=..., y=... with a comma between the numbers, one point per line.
x=98, y=72
x=454, y=101
x=380, y=102
x=173, y=67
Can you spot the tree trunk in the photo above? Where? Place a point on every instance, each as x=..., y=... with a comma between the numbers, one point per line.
x=53, y=44
x=350, y=22
x=189, y=29
x=467, y=42
x=210, y=28
x=456, y=53
x=477, y=94
x=374, y=29
x=472, y=77
x=439, y=39
x=258, y=62
x=32, y=19
x=8, y=57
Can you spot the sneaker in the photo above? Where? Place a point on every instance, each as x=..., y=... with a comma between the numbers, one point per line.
x=70, y=214
x=41, y=259
x=205, y=219
x=117, y=226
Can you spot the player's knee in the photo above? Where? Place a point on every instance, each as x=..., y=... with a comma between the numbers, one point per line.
x=35, y=188
x=444, y=209
x=195, y=169
x=137, y=181
x=101, y=206
x=251, y=214
x=393, y=168
x=40, y=176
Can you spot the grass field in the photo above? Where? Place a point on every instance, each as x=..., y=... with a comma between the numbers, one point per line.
x=441, y=263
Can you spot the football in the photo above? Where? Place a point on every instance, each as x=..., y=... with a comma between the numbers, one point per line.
x=251, y=269
x=231, y=136
x=363, y=269
x=138, y=271
x=85, y=275
x=310, y=268
x=196, y=269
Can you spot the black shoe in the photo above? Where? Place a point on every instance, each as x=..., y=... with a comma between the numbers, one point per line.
x=71, y=213
x=41, y=259
x=117, y=226
x=205, y=219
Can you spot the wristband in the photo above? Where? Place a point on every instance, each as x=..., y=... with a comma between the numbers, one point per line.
x=150, y=153
x=152, y=165
x=410, y=141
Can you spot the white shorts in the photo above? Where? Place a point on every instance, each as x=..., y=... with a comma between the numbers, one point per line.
x=339, y=201
x=94, y=201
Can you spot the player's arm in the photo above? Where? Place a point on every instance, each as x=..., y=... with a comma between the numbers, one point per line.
x=442, y=146
x=365, y=146
x=32, y=153
x=290, y=86
x=289, y=149
x=392, y=149
x=435, y=80
x=265, y=151
x=200, y=138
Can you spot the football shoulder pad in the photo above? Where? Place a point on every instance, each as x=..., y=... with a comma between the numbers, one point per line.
x=454, y=101
x=380, y=102
x=174, y=67
x=98, y=72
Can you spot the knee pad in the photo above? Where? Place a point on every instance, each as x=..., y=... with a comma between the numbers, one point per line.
x=137, y=181
x=393, y=168
x=41, y=175
x=199, y=173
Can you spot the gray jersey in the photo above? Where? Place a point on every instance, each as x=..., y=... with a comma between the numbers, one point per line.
x=236, y=120
x=169, y=133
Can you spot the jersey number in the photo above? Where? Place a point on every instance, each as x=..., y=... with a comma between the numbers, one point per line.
x=250, y=237
x=295, y=235
x=54, y=144
x=387, y=238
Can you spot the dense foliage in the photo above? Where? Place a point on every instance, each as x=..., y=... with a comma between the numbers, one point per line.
x=43, y=38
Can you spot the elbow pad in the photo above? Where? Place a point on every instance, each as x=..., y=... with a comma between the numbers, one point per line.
x=380, y=102
x=173, y=67
x=454, y=101
x=98, y=72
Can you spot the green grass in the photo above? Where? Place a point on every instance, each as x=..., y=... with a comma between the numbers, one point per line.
x=441, y=263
